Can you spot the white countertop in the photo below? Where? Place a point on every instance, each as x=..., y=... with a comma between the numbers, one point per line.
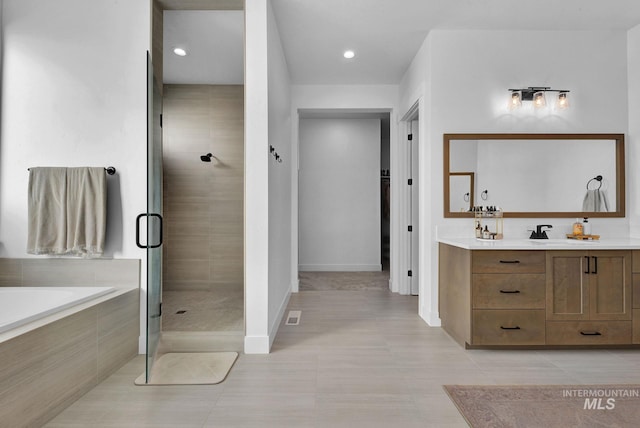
x=543, y=244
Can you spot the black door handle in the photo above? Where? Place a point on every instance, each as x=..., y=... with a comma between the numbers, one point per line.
x=510, y=291
x=595, y=265
x=591, y=333
x=138, y=243
x=510, y=328
x=587, y=258
x=509, y=261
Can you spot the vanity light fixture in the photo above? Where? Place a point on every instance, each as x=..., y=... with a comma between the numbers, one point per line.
x=537, y=94
x=180, y=51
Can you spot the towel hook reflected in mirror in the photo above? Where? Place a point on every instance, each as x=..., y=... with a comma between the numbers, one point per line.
x=466, y=197
x=484, y=195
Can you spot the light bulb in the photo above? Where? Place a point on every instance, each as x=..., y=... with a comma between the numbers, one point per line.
x=539, y=100
x=180, y=52
x=515, y=101
x=349, y=54
x=563, y=101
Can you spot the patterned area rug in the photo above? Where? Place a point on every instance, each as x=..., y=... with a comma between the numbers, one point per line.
x=534, y=406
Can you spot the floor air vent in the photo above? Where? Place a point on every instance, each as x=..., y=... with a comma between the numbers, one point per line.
x=293, y=318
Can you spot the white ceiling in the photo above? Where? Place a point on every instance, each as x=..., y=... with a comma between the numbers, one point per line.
x=384, y=34
x=214, y=41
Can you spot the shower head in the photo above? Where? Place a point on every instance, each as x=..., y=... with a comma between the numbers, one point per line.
x=206, y=158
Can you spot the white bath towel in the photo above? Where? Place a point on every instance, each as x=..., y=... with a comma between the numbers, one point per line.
x=595, y=201
x=67, y=211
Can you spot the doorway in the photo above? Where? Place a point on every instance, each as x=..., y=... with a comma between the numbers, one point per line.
x=344, y=200
x=203, y=166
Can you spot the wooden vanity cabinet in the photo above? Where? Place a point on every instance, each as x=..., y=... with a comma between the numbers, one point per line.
x=492, y=298
x=635, y=268
x=588, y=297
x=511, y=298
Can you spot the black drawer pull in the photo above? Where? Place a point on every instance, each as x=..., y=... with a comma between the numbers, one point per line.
x=510, y=291
x=509, y=261
x=510, y=328
x=591, y=333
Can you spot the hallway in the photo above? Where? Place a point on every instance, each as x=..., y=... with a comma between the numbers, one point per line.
x=358, y=358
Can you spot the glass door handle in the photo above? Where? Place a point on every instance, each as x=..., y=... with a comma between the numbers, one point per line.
x=138, y=243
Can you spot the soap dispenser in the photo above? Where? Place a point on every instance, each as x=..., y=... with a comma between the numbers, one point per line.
x=586, y=226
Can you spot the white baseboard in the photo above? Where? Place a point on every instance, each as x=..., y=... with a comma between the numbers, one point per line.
x=340, y=268
x=431, y=318
x=256, y=344
x=278, y=320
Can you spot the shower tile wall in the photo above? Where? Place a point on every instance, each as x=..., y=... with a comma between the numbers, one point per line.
x=203, y=202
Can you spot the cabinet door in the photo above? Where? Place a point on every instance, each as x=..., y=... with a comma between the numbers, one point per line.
x=567, y=285
x=610, y=285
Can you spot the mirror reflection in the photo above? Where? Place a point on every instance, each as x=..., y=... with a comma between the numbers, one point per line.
x=462, y=190
x=536, y=175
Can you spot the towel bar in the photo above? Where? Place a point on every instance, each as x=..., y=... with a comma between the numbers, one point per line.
x=110, y=170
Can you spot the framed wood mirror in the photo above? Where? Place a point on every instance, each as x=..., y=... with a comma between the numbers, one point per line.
x=536, y=175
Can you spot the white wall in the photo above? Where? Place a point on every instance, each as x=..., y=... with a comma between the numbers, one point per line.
x=464, y=76
x=256, y=155
x=279, y=179
x=339, y=195
x=633, y=136
x=74, y=94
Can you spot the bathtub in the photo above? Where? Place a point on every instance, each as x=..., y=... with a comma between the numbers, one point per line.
x=22, y=305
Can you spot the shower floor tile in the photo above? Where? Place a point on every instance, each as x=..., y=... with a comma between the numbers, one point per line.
x=202, y=311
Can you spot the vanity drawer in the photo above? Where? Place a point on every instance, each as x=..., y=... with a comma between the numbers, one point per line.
x=508, y=291
x=588, y=332
x=508, y=262
x=636, y=327
x=508, y=327
x=636, y=289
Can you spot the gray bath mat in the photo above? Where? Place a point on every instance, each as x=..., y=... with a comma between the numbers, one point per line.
x=190, y=368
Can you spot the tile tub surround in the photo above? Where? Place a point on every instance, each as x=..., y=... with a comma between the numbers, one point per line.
x=49, y=363
x=47, y=368
x=63, y=272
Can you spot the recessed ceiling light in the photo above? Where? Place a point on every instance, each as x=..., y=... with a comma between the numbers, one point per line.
x=349, y=54
x=180, y=52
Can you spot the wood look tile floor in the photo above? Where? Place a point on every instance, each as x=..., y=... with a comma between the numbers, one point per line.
x=357, y=359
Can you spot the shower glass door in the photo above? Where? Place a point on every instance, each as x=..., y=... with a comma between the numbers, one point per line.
x=153, y=216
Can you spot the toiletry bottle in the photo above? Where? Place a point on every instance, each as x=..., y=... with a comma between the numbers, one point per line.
x=485, y=233
x=577, y=228
x=478, y=230
x=586, y=226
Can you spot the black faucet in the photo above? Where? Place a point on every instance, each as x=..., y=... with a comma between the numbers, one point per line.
x=539, y=233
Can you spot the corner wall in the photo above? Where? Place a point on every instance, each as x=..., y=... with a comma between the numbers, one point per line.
x=279, y=178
